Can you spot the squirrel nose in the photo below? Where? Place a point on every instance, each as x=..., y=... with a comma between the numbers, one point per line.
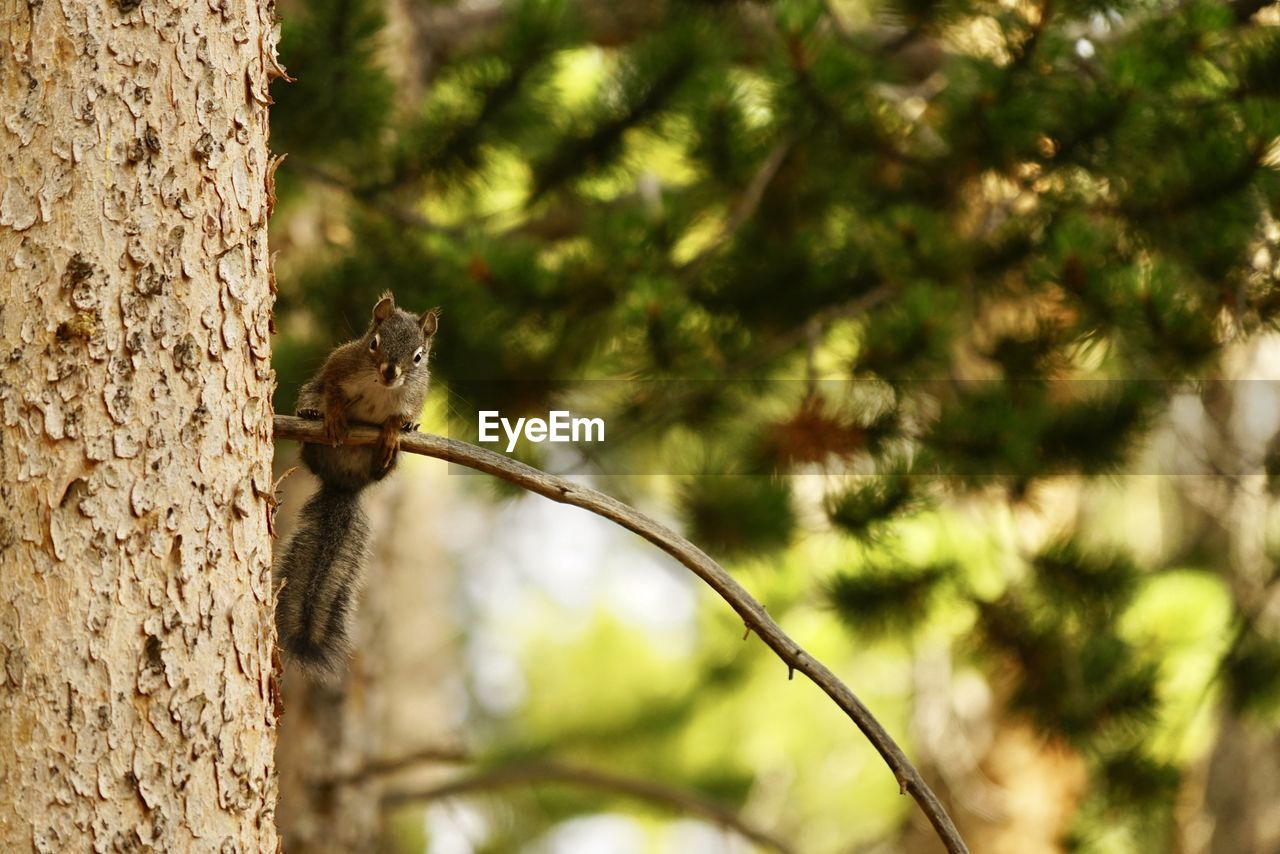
x=390, y=371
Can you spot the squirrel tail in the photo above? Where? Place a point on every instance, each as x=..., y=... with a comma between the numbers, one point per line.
x=318, y=580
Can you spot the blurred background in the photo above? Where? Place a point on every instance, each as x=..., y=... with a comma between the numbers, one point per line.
x=947, y=326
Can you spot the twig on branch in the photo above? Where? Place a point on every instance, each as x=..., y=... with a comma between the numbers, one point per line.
x=555, y=772
x=752, y=612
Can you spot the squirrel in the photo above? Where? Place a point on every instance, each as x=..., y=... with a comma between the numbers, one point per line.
x=379, y=379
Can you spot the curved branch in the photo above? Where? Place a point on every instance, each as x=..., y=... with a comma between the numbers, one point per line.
x=683, y=800
x=554, y=772
x=697, y=561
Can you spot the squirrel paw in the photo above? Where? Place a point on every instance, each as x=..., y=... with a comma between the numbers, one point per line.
x=387, y=454
x=389, y=442
x=311, y=414
x=335, y=427
x=410, y=427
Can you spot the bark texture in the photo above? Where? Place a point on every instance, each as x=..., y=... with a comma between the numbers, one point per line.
x=136, y=683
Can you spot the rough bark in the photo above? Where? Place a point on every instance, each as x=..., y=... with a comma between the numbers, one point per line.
x=135, y=635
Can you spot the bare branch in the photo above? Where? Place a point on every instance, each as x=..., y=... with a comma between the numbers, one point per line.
x=697, y=561
x=549, y=772
x=388, y=767
x=632, y=787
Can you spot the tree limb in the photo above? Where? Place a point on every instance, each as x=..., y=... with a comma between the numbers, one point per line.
x=690, y=802
x=387, y=767
x=697, y=561
x=555, y=772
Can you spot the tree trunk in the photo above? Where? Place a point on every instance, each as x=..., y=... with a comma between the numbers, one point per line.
x=1242, y=777
x=136, y=684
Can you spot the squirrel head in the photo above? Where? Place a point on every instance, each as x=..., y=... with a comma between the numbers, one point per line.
x=399, y=342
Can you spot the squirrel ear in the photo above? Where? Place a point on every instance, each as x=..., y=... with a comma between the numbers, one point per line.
x=385, y=307
x=430, y=322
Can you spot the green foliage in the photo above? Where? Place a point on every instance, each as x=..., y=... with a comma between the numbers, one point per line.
x=1079, y=683
x=1258, y=65
x=1251, y=672
x=483, y=102
x=738, y=514
x=880, y=600
x=1072, y=578
x=817, y=433
x=642, y=89
x=910, y=339
x=863, y=511
x=341, y=97
x=1134, y=779
x=989, y=241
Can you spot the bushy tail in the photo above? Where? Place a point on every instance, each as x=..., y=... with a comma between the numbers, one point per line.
x=318, y=578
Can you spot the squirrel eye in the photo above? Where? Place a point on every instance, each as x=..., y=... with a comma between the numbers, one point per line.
x=417, y=357
x=373, y=345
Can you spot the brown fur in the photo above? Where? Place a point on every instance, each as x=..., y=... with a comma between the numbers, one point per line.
x=379, y=379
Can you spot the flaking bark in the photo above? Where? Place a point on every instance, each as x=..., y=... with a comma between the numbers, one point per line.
x=135, y=426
